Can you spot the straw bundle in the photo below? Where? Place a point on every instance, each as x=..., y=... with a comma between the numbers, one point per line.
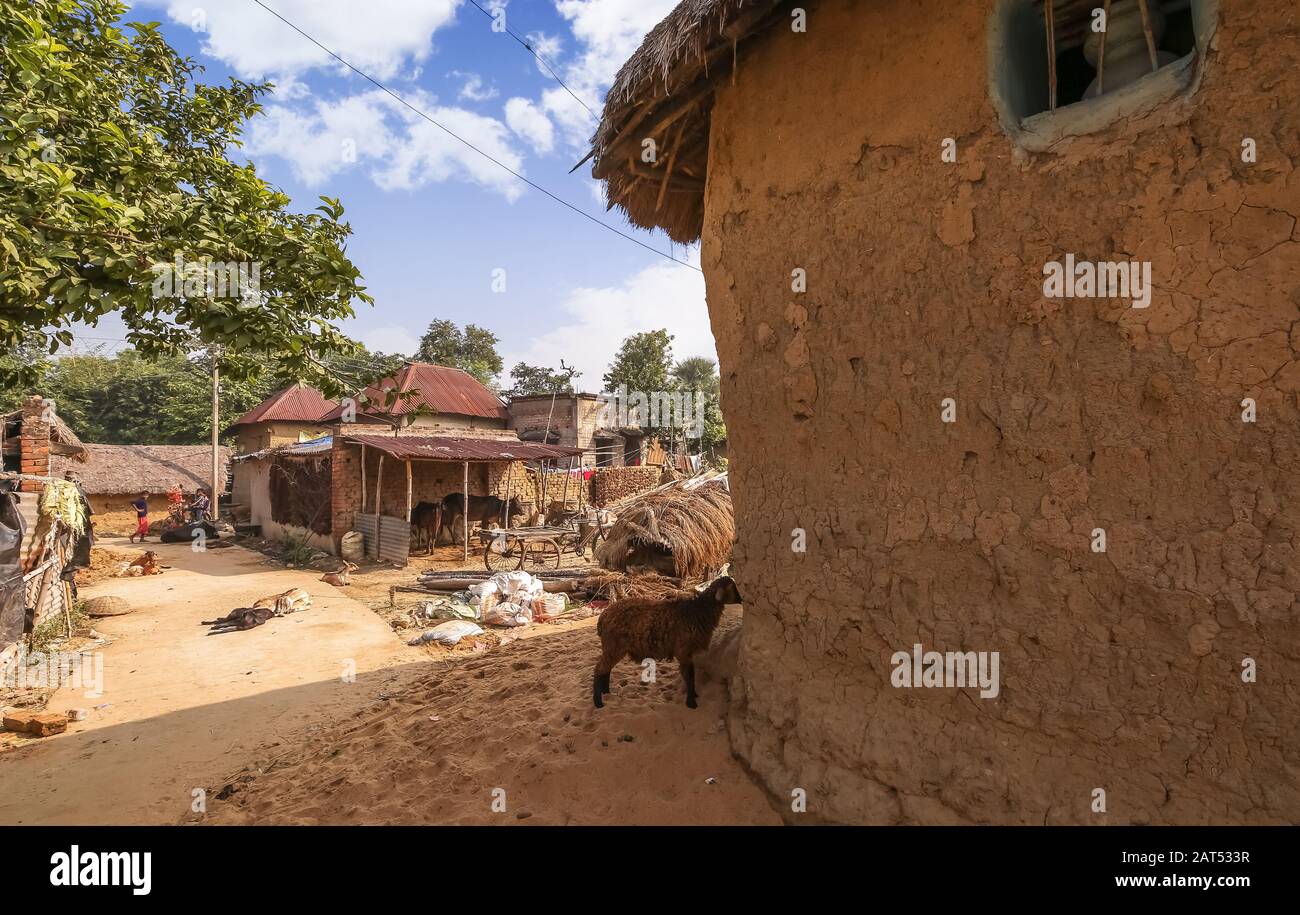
x=684, y=530
x=620, y=586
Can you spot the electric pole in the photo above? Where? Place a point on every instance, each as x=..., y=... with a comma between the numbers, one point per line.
x=216, y=433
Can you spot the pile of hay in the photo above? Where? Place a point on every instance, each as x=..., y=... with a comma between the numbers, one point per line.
x=683, y=530
x=621, y=586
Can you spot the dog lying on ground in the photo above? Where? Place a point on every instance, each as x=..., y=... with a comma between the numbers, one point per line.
x=243, y=618
x=290, y=601
x=147, y=564
x=240, y=620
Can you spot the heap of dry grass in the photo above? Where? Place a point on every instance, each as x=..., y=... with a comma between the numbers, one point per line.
x=621, y=586
x=684, y=530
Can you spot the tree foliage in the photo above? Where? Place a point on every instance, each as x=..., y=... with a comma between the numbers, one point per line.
x=643, y=363
x=473, y=349
x=129, y=399
x=113, y=163
x=536, y=379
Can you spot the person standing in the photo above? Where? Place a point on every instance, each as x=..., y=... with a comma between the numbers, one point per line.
x=199, y=507
x=141, y=506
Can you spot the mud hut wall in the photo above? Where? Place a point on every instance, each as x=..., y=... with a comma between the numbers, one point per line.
x=1121, y=669
x=266, y=435
x=114, y=513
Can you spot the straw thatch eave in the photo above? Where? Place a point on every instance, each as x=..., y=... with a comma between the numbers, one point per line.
x=154, y=469
x=665, y=92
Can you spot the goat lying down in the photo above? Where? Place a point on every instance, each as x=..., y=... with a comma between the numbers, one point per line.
x=662, y=629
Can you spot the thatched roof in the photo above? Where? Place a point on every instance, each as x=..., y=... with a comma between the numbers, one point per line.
x=684, y=529
x=63, y=441
x=153, y=469
x=665, y=92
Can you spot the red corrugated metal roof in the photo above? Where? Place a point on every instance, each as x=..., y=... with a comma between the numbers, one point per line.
x=433, y=388
x=296, y=403
x=447, y=448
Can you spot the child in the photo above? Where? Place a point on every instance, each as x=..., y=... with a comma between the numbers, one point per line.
x=199, y=507
x=141, y=506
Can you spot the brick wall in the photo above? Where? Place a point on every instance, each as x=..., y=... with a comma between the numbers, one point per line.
x=34, y=443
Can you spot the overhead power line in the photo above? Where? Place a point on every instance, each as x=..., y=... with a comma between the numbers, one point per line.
x=451, y=133
x=542, y=60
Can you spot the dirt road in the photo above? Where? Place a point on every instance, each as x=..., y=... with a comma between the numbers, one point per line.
x=183, y=709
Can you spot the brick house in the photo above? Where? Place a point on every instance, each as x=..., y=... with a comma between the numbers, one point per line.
x=577, y=421
x=292, y=415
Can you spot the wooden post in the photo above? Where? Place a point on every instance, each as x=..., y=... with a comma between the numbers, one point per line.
x=1151, y=40
x=510, y=473
x=564, y=498
x=363, y=478
x=1049, y=11
x=379, y=488
x=1101, y=51
x=542, y=497
x=464, y=515
x=216, y=437
x=408, y=490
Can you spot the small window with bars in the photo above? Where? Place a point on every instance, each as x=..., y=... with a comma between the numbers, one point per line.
x=1057, y=53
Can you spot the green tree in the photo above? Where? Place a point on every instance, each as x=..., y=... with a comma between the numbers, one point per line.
x=473, y=349
x=113, y=164
x=643, y=363
x=536, y=379
x=699, y=373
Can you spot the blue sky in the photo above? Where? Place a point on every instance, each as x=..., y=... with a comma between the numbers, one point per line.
x=432, y=219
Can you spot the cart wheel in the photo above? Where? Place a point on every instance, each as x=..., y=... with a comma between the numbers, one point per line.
x=540, y=554
x=508, y=561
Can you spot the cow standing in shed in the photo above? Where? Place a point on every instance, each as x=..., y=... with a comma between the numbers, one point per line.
x=482, y=509
x=426, y=520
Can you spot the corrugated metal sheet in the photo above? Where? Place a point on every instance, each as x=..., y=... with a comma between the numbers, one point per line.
x=447, y=448
x=313, y=448
x=393, y=542
x=432, y=388
x=297, y=403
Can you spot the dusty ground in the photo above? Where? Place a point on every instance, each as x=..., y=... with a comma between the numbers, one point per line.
x=518, y=719
x=263, y=721
x=181, y=708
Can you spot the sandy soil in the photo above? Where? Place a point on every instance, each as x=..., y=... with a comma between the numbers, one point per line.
x=520, y=719
x=264, y=723
x=181, y=708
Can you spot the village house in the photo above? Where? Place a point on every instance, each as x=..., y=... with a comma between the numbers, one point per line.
x=38, y=443
x=294, y=414
x=425, y=433
x=114, y=476
x=932, y=448
x=578, y=421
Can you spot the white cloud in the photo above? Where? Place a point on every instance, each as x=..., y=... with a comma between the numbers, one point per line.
x=593, y=322
x=529, y=122
x=380, y=37
x=547, y=47
x=473, y=90
x=402, y=150
x=391, y=339
x=608, y=33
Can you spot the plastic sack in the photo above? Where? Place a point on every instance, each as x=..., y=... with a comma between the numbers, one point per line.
x=448, y=633
x=546, y=606
x=508, y=615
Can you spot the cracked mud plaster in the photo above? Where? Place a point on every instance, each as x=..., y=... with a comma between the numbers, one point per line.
x=1120, y=670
